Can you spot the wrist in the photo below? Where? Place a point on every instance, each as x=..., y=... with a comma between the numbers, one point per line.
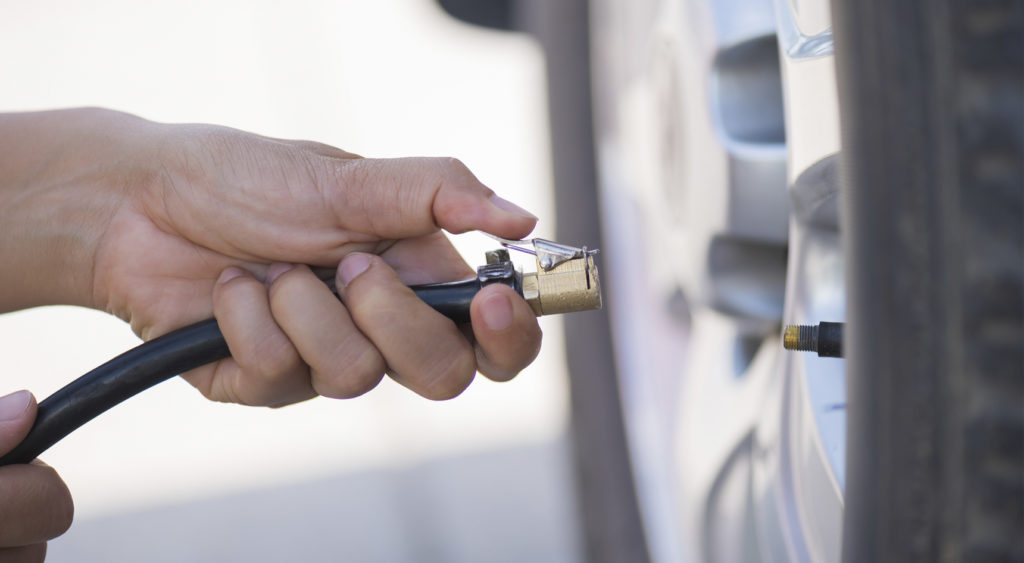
x=61, y=181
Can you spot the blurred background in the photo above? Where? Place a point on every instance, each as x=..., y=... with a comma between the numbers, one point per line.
x=388, y=476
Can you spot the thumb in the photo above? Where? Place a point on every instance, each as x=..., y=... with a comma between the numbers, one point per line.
x=17, y=413
x=410, y=197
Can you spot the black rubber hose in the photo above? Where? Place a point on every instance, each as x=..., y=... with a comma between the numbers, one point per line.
x=162, y=358
x=126, y=375
x=451, y=299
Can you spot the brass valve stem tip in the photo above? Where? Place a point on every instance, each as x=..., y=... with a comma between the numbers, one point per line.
x=825, y=338
x=800, y=337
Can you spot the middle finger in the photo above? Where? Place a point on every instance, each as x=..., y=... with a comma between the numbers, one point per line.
x=343, y=362
x=424, y=349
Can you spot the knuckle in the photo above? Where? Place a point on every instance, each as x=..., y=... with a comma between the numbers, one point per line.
x=61, y=506
x=282, y=287
x=528, y=346
x=203, y=380
x=450, y=377
x=64, y=515
x=454, y=166
x=226, y=383
x=358, y=177
x=29, y=553
x=252, y=395
x=274, y=387
x=239, y=288
x=324, y=149
x=312, y=167
x=354, y=373
x=272, y=359
x=494, y=371
x=374, y=298
x=214, y=393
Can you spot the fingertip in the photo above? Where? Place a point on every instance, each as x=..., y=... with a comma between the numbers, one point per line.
x=351, y=267
x=504, y=346
x=464, y=204
x=14, y=406
x=511, y=208
x=515, y=229
x=506, y=219
x=17, y=412
x=410, y=197
x=275, y=270
x=511, y=221
x=457, y=376
x=496, y=312
x=229, y=274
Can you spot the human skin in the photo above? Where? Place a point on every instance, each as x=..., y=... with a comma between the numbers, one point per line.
x=35, y=505
x=166, y=225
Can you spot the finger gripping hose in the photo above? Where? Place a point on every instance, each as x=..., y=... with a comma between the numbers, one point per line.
x=177, y=352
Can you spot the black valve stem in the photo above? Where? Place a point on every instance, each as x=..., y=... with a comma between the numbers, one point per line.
x=824, y=338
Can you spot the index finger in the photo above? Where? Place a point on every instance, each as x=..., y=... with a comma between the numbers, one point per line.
x=408, y=197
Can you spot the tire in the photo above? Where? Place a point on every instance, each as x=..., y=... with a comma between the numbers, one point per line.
x=932, y=110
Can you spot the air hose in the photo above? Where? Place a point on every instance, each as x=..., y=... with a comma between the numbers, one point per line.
x=196, y=345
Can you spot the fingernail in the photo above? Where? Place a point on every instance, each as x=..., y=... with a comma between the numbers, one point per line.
x=497, y=312
x=12, y=406
x=508, y=206
x=230, y=274
x=275, y=271
x=353, y=265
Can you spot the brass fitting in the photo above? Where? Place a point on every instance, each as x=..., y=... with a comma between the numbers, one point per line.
x=570, y=286
x=566, y=279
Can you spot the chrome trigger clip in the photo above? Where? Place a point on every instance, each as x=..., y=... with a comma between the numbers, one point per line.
x=550, y=254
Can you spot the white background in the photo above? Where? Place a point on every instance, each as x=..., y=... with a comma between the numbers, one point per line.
x=382, y=78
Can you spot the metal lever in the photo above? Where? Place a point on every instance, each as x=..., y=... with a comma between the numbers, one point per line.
x=566, y=279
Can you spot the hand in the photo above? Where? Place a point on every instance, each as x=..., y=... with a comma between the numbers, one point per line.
x=178, y=223
x=35, y=505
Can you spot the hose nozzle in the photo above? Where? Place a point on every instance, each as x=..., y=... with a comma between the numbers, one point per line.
x=566, y=279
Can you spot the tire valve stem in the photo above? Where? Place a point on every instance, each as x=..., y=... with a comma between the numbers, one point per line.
x=824, y=338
